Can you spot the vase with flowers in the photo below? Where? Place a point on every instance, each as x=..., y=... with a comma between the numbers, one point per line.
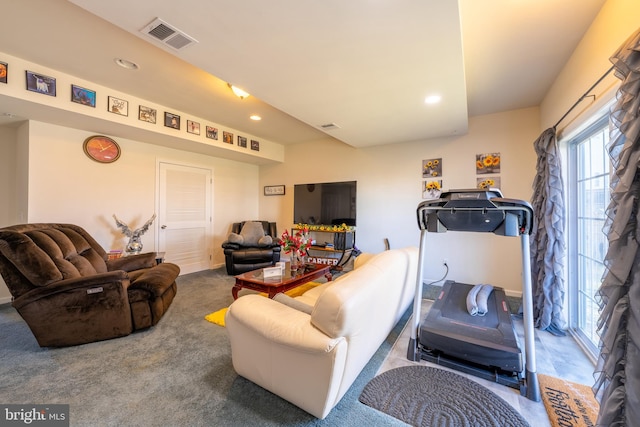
x=296, y=245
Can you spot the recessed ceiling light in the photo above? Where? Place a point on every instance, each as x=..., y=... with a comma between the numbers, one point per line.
x=432, y=99
x=255, y=117
x=126, y=64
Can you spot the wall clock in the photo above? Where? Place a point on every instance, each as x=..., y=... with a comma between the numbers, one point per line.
x=101, y=149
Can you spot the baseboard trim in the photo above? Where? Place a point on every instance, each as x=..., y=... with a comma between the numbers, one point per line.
x=5, y=300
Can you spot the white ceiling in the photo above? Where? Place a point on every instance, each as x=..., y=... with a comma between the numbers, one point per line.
x=364, y=65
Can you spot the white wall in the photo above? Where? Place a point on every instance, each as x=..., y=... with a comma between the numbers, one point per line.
x=617, y=20
x=389, y=191
x=64, y=185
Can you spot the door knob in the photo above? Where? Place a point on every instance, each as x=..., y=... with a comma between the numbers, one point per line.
x=163, y=227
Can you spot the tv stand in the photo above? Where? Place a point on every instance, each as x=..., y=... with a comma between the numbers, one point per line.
x=343, y=244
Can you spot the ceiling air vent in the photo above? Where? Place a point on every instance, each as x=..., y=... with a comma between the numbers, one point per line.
x=329, y=126
x=168, y=34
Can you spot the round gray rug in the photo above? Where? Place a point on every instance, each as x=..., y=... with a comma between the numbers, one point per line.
x=425, y=396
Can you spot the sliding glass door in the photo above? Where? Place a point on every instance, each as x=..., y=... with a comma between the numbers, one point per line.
x=589, y=198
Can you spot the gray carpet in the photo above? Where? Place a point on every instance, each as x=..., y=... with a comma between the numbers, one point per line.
x=426, y=396
x=177, y=373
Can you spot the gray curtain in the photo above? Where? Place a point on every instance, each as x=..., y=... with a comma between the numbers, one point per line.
x=547, y=239
x=618, y=383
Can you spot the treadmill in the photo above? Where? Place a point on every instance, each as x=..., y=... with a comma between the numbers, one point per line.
x=484, y=346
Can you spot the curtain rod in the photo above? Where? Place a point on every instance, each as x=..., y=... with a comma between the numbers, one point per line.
x=586, y=94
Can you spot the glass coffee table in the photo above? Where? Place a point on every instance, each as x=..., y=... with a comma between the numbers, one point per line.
x=256, y=281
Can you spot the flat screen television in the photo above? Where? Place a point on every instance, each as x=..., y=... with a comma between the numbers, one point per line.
x=325, y=203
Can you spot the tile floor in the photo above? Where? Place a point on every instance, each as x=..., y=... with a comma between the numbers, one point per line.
x=560, y=357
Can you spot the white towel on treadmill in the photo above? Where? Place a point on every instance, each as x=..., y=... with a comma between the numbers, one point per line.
x=477, y=299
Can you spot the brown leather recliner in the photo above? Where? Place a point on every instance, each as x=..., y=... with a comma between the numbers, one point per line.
x=69, y=293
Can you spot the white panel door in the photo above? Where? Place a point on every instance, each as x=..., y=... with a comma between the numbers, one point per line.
x=184, y=198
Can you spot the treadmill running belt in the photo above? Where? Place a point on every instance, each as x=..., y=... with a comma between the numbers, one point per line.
x=488, y=340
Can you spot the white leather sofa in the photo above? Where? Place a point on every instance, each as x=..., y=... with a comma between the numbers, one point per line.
x=310, y=355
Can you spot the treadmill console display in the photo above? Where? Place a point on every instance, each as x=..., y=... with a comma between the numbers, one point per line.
x=476, y=211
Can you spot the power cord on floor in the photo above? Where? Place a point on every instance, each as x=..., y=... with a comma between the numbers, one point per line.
x=446, y=273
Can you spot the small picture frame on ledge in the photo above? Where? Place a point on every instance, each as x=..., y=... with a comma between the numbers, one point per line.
x=4, y=72
x=274, y=190
x=171, y=120
x=83, y=96
x=147, y=114
x=212, y=133
x=227, y=137
x=193, y=127
x=118, y=106
x=40, y=83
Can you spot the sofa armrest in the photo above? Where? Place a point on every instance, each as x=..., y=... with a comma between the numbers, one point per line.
x=132, y=262
x=228, y=245
x=276, y=347
x=87, y=285
x=278, y=323
x=156, y=280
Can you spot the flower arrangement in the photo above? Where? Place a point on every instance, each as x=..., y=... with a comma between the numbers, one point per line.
x=298, y=244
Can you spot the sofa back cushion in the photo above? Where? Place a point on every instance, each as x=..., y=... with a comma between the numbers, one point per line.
x=373, y=292
x=364, y=306
x=46, y=253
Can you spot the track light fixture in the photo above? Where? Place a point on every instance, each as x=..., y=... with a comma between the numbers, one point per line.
x=238, y=92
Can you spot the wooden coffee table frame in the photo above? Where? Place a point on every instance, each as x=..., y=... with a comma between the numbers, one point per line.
x=255, y=280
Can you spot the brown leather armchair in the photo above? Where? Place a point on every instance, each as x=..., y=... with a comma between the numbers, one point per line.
x=241, y=257
x=69, y=293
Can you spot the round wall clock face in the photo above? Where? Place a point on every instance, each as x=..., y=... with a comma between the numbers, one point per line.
x=101, y=149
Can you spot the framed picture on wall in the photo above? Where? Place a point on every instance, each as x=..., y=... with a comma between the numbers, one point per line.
x=488, y=182
x=255, y=145
x=212, y=133
x=227, y=137
x=487, y=163
x=172, y=120
x=431, y=168
x=193, y=127
x=274, y=190
x=83, y=96
x=4, y=72
x=118, y=106
x=147, y=114
x=242, y=141
x=431, y=189
x=41, y=83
